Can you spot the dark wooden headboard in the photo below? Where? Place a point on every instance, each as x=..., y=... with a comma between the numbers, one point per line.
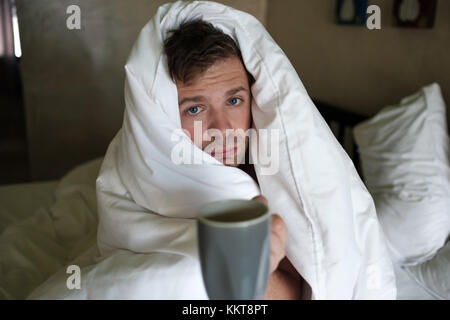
x=341, y=122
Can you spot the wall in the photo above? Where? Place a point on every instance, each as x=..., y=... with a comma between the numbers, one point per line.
x=359, y=69
x=73, y=79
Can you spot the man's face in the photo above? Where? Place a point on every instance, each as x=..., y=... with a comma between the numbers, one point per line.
x=220, y=99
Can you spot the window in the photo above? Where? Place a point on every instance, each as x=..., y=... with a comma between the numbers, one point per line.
x=9, y=30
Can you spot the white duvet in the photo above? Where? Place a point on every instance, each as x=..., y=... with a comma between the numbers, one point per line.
x=146, y=242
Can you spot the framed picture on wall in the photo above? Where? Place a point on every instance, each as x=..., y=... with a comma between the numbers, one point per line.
x=414, y=13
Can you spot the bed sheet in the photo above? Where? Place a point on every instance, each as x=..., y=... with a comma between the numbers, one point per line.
x=19, y=201
x=44, y=226
x=408, y=288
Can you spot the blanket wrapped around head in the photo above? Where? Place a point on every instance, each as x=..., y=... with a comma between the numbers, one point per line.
x=147, y=203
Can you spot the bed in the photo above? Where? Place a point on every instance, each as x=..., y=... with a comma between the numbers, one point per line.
x=342, y=122
x=30, y=215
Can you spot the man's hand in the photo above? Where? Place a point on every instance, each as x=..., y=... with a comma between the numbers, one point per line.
x=278, y=238
x=283, y=283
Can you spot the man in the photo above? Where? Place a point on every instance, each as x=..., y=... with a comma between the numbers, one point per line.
x=214, y=91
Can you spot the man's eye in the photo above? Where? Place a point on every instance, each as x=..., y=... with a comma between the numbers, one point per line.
x=193, y=110
x=234, y=101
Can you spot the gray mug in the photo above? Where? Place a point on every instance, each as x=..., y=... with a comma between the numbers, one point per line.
x=234, y=249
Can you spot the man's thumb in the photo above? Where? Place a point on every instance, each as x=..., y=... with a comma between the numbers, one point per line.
x=261, y=198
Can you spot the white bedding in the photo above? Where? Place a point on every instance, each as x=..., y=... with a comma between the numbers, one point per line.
x=19, y=201
x=43, y=226
x=28, y=268
x=146, y=203
x=408, y=288
x=40, y=239
x=405, y=158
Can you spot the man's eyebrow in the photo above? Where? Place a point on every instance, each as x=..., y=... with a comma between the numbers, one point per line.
x=234, y=91
x=202, y=98
x=191, y=99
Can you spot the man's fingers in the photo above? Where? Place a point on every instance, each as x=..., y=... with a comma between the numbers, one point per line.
x=261, y=198
x=277, y=251
x=279, y=227
x=279, y=236
x=278, y=224
x=278, y=247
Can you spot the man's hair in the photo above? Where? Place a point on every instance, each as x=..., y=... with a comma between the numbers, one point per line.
x=195, y=46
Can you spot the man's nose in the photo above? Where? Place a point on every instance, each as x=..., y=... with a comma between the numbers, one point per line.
x=220, y=121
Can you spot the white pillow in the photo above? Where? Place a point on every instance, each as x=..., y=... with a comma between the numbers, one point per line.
x=405, y=161
x=434, y=275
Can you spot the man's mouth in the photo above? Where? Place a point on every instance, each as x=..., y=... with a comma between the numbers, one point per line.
x=224, y=153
